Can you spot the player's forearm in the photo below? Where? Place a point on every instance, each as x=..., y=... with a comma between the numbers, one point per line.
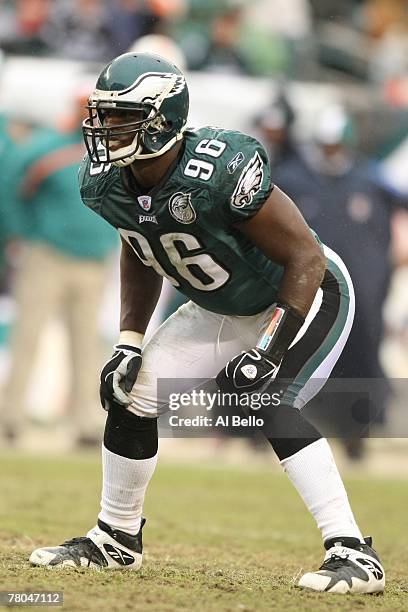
x=301, y=279
x=140, y=289
x=138, y=304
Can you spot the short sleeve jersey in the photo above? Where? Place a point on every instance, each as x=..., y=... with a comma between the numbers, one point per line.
x=185, y=228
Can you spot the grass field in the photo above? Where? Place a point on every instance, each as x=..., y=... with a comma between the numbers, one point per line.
x=217, y=539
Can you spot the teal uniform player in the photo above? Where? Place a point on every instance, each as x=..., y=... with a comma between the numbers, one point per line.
x=268, y=303
x=183, y=227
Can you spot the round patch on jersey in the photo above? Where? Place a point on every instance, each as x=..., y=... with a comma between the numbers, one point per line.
x=181, y=209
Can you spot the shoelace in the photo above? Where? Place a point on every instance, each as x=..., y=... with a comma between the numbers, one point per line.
x=335, y=562
x=74, y=541
x=95, y=555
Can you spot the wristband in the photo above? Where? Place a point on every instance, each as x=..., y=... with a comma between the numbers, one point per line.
x=281, y=331
x=131, y=338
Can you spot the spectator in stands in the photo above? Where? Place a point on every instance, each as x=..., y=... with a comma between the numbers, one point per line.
x=222, y=53
x=386, y=23
x=80, y=30
x=62, y=271
x=285, y=26
x=219, y=36
x=21, y=25
x=333, y=10
x=169, y=11
x=129, y=20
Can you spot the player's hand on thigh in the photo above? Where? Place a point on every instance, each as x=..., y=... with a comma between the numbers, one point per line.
x=247, y=372
x=253, y=369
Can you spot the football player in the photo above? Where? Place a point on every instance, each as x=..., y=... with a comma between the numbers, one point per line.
x=268, y=304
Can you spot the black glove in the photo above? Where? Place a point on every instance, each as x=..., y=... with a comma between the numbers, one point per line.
x=253, y=369
x=119, y=374
x=247, y=372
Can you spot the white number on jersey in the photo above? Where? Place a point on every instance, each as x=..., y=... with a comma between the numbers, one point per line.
x=217, y=276
x=101, y=167
x=197, y=168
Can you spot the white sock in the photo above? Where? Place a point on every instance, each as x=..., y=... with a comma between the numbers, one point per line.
x=314, y=474
x=124, y=485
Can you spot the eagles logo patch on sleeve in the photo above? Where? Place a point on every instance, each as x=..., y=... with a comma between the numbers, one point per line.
x=249, y=182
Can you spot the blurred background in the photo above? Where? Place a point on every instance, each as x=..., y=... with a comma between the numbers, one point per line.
x=322, y=84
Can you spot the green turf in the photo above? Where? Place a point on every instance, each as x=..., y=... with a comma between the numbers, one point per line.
x=216, y=539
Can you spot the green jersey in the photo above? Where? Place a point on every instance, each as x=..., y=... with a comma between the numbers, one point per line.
x=185, y=227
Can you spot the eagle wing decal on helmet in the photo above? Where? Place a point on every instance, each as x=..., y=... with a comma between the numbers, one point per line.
x=150, y=86
x=179, y=85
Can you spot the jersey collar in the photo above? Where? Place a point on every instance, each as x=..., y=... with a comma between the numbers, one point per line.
x=134, y=189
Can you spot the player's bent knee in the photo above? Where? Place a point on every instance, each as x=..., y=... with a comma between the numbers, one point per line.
x=129, y=435
x=288, y=431
x=145, y=401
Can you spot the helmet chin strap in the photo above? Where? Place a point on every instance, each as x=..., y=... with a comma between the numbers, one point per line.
x=137, y=154
x=126, y=155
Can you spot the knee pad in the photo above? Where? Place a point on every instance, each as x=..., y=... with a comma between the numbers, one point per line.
x=129, y=435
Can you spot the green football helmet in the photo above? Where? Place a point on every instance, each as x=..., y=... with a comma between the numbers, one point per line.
x=152, y=96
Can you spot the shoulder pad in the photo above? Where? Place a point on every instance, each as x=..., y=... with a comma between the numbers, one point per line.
x=232, y=166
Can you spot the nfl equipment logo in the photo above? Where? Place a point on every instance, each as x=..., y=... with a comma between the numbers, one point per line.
x=181, y=209
x=145, y=202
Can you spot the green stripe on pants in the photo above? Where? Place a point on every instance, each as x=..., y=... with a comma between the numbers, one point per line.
x=314, y=361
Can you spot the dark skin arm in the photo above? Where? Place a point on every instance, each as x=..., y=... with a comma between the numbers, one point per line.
x=281, y=233
x=140, y=289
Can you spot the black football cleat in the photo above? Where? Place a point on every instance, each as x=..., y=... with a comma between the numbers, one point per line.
x=101, y=548
x=349, y=567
